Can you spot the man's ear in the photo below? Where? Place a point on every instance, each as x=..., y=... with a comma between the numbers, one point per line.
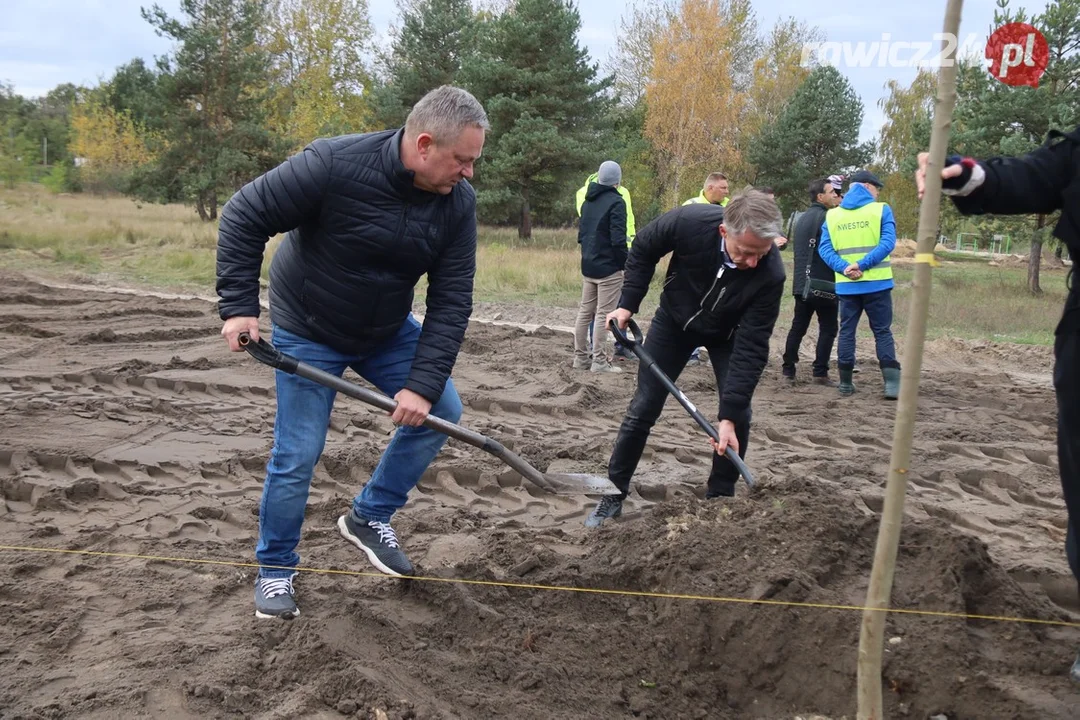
x=425, y=143
x=723, y=231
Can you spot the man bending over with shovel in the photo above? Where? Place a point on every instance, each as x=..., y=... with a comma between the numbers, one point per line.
x=722, y=292
x=365, y=217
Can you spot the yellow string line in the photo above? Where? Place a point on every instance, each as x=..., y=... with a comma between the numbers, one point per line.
x=927, y=258
x=530, y=586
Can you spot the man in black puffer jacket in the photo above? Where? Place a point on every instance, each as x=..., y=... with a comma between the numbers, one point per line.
x=365, y=217
x=722, y=292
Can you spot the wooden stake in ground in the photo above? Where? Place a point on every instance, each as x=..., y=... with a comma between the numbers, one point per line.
x=871, y=637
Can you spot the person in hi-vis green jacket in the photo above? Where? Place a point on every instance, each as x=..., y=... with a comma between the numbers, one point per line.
x=630, y=229
x=714, y=191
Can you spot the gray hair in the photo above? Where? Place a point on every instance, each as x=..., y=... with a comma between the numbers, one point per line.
x=444, y=112
x=755, y=212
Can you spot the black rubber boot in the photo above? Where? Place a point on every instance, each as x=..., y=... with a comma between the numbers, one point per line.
x=846, y=386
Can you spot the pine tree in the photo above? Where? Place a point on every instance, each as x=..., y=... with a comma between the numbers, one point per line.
x=545, y=105
x=213, y=88
x=435, y=37
x=815, y=136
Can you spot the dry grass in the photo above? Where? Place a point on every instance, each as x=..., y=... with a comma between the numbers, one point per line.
x=119, y=240
x=116, y=237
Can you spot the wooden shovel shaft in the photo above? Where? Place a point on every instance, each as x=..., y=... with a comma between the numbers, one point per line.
x=872, y=633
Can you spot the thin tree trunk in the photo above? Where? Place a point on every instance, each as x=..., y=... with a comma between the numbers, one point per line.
x=525, y=228
x=872, y=633
x=1035, y=258
x=1034, y=265
x=202, y=208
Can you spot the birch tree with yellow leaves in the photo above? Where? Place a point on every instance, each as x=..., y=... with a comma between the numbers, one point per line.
x=318, y=75
x=778, y=72
x=109, y=145
x=697, y=92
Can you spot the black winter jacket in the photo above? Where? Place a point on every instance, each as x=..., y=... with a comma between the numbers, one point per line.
x=359, y=237
x=1041, y=181
x=809, y=228
x=602, y=231
x=739, y=307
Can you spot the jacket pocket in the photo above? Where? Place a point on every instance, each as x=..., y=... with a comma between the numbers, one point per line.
x=390, y=308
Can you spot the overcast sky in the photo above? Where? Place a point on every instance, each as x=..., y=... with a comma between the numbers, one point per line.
x=47, y=42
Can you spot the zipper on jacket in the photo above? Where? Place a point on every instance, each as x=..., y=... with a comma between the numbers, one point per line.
x=704, y=297
x=721, y=293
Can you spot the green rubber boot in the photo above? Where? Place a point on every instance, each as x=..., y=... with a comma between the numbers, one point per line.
x=846, y=386
x=892, y=382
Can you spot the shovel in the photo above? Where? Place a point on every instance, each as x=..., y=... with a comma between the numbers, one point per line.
x=638, y=349
x=554, y=483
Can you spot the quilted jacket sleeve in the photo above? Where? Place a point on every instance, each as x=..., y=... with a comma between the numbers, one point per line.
x=449, y=306
x=656, y=240
x=272, y=203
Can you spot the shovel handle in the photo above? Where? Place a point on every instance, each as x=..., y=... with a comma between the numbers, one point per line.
x=637, y=346
x=622, y=337
x=267, y=354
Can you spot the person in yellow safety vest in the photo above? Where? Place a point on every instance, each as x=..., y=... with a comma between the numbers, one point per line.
x=715, y=191
x=857, y=238
x=630, y=229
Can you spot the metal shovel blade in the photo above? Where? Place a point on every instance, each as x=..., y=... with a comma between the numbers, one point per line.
x=579, y=483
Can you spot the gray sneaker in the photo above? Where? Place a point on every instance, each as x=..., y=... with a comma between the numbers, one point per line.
x=1075, y=673
x=378, y=541
x=610, y=506
x=275, y=598
x=603, y=366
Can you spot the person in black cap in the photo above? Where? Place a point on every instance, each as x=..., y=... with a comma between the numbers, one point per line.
x=857, y=239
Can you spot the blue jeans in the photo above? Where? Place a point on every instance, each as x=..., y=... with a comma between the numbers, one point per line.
x=878, y=309
x=303, y=415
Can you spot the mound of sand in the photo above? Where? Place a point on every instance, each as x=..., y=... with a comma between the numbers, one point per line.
x=905, y=248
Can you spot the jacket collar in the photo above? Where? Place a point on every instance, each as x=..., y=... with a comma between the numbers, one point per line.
x=724, y=257
x=400, y=176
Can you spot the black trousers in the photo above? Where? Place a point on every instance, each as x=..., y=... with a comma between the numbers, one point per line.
x=828, y=316
x=1067, y=388
x=671, y=347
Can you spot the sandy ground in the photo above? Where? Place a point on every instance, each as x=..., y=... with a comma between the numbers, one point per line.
x=126, y=426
